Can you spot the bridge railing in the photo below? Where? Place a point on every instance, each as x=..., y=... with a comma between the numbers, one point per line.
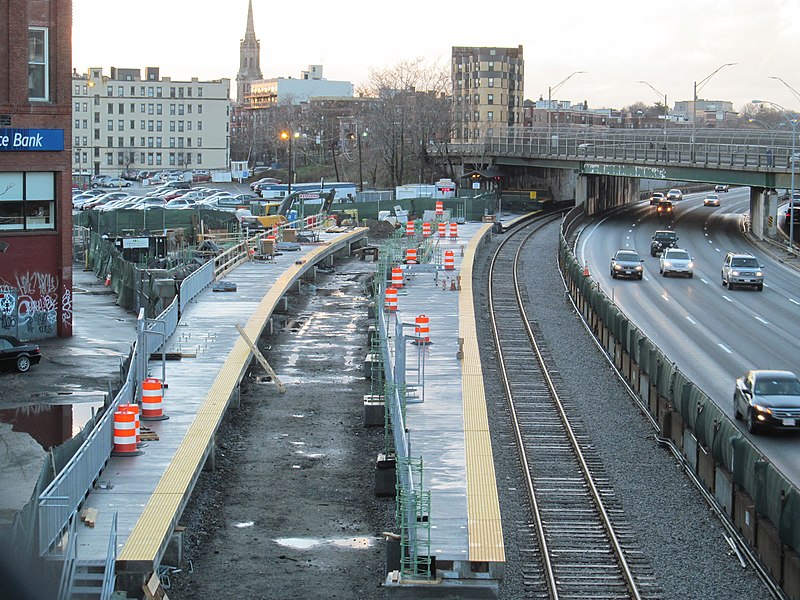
x=724, y=148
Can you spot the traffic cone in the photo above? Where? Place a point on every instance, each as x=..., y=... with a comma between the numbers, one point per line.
x=108, y=279
x=586, y=270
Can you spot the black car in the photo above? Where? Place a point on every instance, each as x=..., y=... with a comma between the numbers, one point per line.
x=18, y=355
x=626, y=263
x=767, y=399
x=664, y=208
x=661, y=240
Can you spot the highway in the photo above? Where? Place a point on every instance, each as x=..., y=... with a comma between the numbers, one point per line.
x=713, y=334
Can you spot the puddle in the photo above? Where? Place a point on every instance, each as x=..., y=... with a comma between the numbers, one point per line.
x=356, y=543
x=50, y=424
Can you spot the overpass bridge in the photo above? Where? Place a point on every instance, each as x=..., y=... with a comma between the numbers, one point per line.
x=602, y=168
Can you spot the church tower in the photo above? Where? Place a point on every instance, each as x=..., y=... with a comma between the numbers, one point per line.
x=249, y=58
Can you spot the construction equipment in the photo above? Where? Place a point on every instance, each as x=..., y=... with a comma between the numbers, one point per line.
x=277, y=213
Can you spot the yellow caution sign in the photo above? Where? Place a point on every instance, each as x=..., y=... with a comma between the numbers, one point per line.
x=533, y=195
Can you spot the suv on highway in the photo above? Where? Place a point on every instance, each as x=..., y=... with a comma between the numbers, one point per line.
x=664, y=208
x=661, y=240
x=656, y=197
x=721, y=188
x=674, y=194
x=741, y=268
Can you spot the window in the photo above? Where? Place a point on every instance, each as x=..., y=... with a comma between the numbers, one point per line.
x=85, y=106
x=180, y=109
x=180, y=126
x=490, y=115
x=110, y=109
x=28, y=201
x=110, y=125
x=199, y=143
x=151, y=109
x=150, y=126
x=120, y=91
x=172, y=125
x=199, y=109
x=120, y=142
x=491, y=65
x=150, y=92
x=133, y=141
x=141, y=157
x=490, y=99
x=110, y=142
x=199, y=92
x=121, y=125
x=172, y=142
x=141, y=125
x=109, y=159
x=77, y=123
x=172, y=158
x=133, y=90
x=491, y=82
x=172, y=109
x=159, y=109
x=180, y=92
x=158, y=95
x=121, y=108
x=199, y=159
x=133, y=124
x=189, y=109
x=133, y=107
x=199, y=126
x=85, y=124
x=77, y=106
x=159, y=142
x=150, y=142
x=110, y=90
x=188, y=125
x=158, y=125
x=38, y=66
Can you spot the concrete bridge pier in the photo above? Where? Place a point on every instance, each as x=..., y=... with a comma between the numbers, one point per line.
x=599, y=193
x=763, y=212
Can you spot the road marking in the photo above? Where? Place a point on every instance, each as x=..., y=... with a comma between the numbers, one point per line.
x=726, y=349
x=691, y=320
x=764, y=321
x=726, y=298
x=704, y=280
x=665, y=297
x=794, y=301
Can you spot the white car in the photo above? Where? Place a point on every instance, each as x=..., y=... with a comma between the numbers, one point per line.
x=677, y=261
x=674, y=194
x=711, y=200
x=180, y=202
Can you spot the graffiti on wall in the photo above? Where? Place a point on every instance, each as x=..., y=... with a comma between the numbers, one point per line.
x=29, y=307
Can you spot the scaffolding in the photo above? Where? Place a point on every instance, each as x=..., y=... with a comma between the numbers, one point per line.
x=415, y=533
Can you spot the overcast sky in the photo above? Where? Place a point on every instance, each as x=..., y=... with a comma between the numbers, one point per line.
x=668, y=44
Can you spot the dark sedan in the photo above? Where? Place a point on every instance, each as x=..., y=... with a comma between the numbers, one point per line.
x=767, y=399
x=626, y=263
x=18, y=355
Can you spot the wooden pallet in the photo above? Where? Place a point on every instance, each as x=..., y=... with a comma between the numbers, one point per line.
x=89, y=516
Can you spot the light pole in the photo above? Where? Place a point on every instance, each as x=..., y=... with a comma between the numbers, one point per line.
x=288, y=135
x=697, y=88
x=659, y=97
x=550, y=91
x=793, y=158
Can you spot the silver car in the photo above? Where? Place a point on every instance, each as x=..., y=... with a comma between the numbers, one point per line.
x=677, y=261
x=740, y=268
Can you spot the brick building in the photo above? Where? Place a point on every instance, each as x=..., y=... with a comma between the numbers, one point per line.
x=35, y=168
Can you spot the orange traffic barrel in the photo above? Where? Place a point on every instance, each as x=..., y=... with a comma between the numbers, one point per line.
x=439, y=208
x=125, y=434
x=152, y=400
x=442, y=229
x=426, y=230
x=449, y=260
x=397, y=277
x=422, y=329
x=391, y=299
x=411, y=256
x=409, y=228
x=453, y=230
x=134, y=408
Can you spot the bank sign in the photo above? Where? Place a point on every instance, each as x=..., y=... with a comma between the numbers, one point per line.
x=31, y=140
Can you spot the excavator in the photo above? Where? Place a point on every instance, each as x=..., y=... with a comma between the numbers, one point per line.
x=278, y=213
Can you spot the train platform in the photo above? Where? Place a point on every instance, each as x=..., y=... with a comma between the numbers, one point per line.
x=148, y=489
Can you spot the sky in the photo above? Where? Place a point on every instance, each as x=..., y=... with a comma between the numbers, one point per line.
x=671, y=45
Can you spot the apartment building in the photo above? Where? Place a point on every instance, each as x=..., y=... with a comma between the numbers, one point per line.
x=488, y=90
x=35, y=171
x=124, y=122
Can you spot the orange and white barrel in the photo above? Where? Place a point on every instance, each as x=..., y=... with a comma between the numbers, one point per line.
x=134, y=408
x=152, y=400
x=397, y=277
x=411, y=256
x=449, y=260
x=422, y=329
x=426, y=230
x=391, y=299
x=442, y=229
x=439, y=208
x=409, y=228
x=125, y=433
x=453, y=230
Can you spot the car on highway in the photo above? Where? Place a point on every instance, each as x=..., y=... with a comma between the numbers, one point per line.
x=626, y=263
x=676, y=261
x=711, y=200
x=656, y=197
x=662, y=239
x=719, y=188
x=19, y=355
x=664, y=208
x=674, y=194
x=741, y=268
x=767, y=399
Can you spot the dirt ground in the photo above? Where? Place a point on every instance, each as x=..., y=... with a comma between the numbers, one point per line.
x=290, y=511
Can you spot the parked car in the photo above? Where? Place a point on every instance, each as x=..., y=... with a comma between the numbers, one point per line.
x=677, y=261
x=674, y=194
x=711, y=200
x=263, y=180
x=664, y=208
x=151, y=202
x=719, y=188
x=740, y=268
x=626, y=263
x=181, y=202
x=201, y=175
x=656, y=197
x=113, y=182
x=767, y=399
x=662, y=239
x=17, y=354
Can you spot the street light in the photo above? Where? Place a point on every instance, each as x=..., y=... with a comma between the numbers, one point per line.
x=357, y=137
x=550, y=91
x=793, y=123
x=288, y=135
x=697, y=88
x=659, y=97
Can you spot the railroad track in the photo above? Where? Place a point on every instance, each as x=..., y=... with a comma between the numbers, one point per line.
x=582, y=547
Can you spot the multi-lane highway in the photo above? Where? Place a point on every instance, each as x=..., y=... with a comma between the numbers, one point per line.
x=713, y=334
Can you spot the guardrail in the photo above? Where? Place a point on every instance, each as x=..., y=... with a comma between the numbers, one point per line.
x=758, y=500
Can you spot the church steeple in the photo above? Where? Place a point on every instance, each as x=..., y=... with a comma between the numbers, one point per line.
x=249, y=58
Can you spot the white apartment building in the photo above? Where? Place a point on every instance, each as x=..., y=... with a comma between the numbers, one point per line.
x=123, y=122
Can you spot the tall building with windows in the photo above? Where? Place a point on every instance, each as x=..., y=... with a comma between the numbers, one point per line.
x=488, y=90
x=35, y=170
x=249, y=58
x=123, y=122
